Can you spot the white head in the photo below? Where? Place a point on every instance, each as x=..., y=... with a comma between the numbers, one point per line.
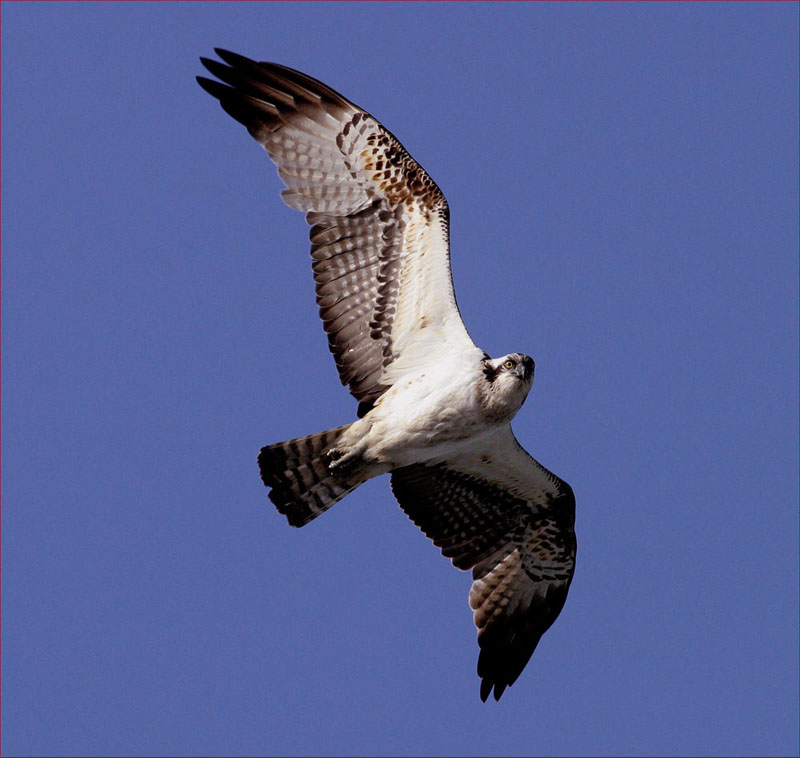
x=509, y=380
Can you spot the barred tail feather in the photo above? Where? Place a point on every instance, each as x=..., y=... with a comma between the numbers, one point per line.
x=297, y=472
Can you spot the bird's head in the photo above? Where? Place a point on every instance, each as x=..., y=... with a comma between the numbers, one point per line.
x=510, y=376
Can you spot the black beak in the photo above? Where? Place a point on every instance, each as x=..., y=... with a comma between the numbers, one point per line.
x=525, y=368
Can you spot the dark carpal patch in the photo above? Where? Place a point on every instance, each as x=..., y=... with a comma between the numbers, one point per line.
x=478, y=525
x=358, y=185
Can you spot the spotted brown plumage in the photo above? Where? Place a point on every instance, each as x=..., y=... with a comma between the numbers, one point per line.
x=434, y=410
x=371, y=207
x=519, y=543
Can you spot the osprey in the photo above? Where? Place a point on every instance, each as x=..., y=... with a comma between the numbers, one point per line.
x=434, y=410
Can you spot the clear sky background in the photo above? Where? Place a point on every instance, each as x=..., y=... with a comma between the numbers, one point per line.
x=623, y=182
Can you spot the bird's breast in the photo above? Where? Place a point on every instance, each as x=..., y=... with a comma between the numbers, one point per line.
x=425, y=416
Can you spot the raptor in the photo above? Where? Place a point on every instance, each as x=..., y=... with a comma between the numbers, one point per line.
x=434, y=410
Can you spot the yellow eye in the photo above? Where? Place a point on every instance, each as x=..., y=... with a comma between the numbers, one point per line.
x=509, y=364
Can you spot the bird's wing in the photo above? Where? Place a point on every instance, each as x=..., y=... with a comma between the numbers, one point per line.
x=379, y=224
x=499, y=512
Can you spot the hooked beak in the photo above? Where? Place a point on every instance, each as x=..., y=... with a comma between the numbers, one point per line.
x=524, y=369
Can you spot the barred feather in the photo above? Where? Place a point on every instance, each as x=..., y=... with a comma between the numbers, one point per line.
x=297, y=472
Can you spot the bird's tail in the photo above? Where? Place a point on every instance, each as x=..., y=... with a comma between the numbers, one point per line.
x=301, y=483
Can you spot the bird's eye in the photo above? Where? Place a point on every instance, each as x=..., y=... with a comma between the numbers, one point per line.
x=509, y=364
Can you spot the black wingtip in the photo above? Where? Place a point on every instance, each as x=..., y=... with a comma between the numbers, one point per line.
x=213, y=88
x=486, y=689
x=211, y=65
x=234, y=59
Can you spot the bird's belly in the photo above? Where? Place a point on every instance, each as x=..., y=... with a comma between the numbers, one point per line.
x=423, y=422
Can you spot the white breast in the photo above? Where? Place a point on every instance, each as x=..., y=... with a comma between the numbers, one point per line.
x=427, y=414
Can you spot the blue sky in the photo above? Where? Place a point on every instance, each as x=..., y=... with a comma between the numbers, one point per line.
x=623, y=184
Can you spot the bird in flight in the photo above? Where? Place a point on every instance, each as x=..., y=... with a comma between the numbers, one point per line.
x=434, y=410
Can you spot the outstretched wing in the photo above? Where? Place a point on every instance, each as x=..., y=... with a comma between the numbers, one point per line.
x=379, y=224
x=500, y=513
